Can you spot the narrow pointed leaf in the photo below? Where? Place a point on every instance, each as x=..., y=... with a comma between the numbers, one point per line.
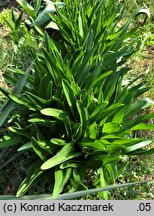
x=69, y=94
x=9, y=105
x=27, y=7
x=34, y=174
x=137, y=146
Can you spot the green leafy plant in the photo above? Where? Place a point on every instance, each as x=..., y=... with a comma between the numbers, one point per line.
x=39, y=13
x=73, y=109
x=15, y=27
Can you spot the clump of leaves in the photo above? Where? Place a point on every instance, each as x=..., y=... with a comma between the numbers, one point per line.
x=72, y=107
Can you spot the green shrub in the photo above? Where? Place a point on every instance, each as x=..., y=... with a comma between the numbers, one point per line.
x=73, y=108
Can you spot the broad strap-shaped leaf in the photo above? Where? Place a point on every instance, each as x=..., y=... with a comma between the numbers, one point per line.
x=71, y=164
x=49, y=91
x=137, y=146
x=36, y=98
x=78, y=179
x=57, y=141
x=94, y=130
x=138, y=106
x=126, y=125
x=43, y=17
x=24, y=101
x=103, y=183
x=26, y=146
x=142, y=152
x=66, y=153
x=77, y=131
x=118, y=117
x=126, y=141
x=100, y=79
x=110, y=127
x=56, y=113
x=94, y=145
x=41, y=121
x=101, y=146
x=143, y=127
x=99, y=108
x=110, y=85
x=108, y=111
x=103, y=157
x=61, y=179
x=5, y=91
x=39, y=148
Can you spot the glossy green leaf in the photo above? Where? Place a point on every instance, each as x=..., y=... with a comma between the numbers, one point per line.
x=126, y=125
x=77, y=179
x=57, y=141
x=22, y=100
x=103, y=183
x=137, y=146
x=4, y=91
x=41, y=121
x=68, y=128
x=100, y=107
x=111, y=127
x=56, y=113
x=103, y=114
x=95, y=145
x=138, y=106
x=39, y=150
x=65, y=154
x=82, y=114
x=143, y=127
x=26, y=147
x=100, y=79
x=43, y=17
x=9, y=105
x=35, y=173
x=69, y=94
x=36, y=98
x=27, y=7
x=61, y=179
